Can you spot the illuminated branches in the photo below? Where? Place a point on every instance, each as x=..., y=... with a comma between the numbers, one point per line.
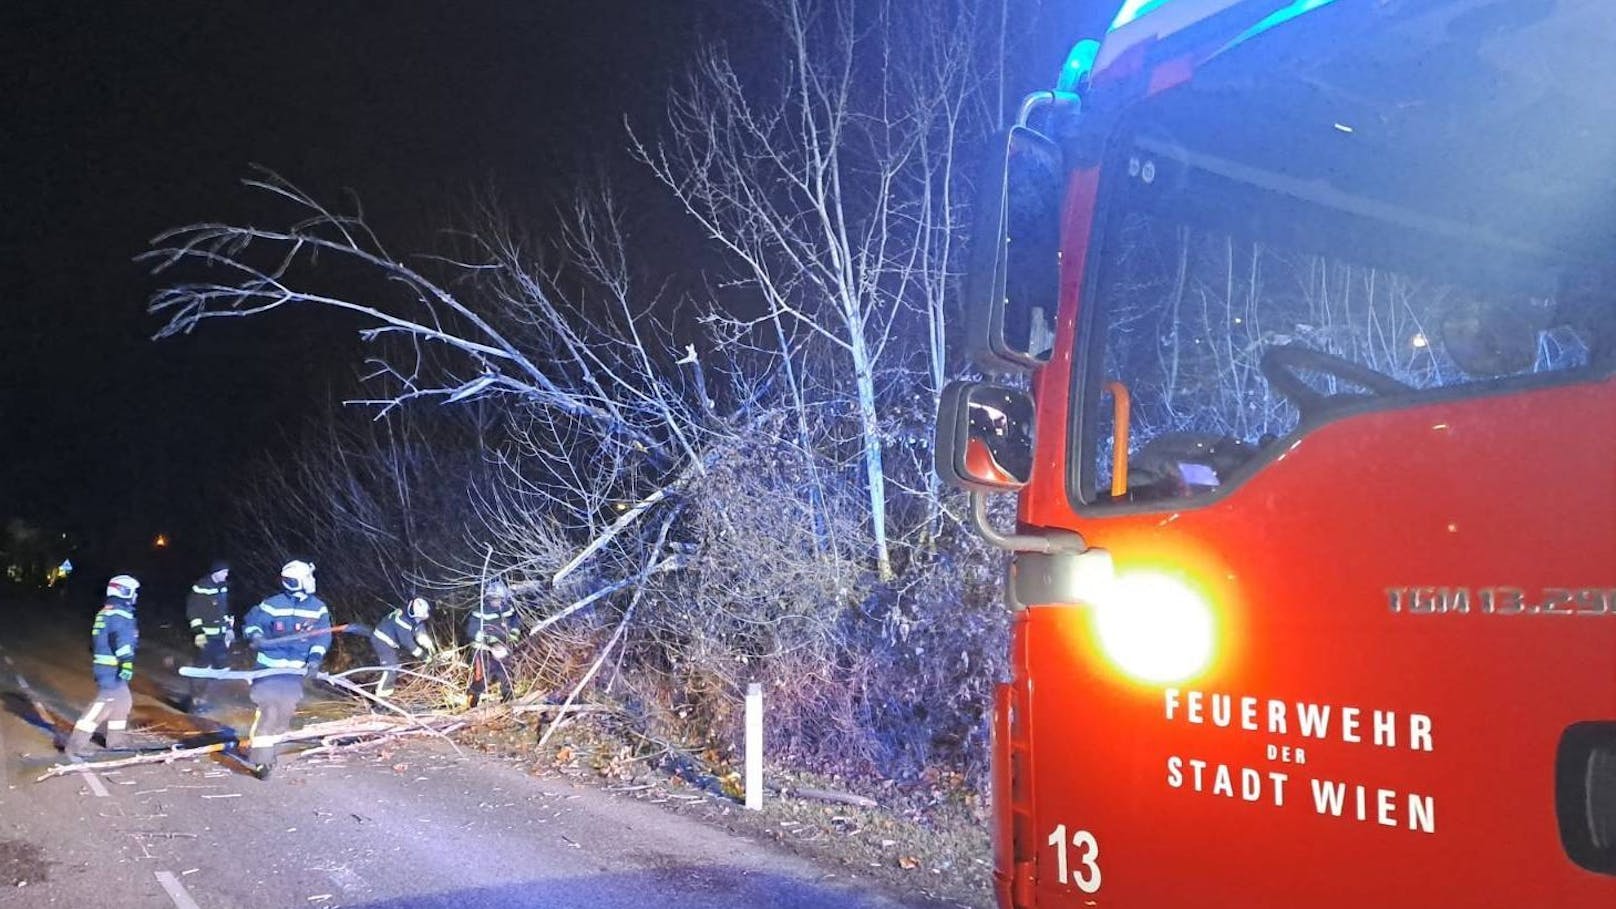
x=832, y=185
x=679, y=509
x=437, y=343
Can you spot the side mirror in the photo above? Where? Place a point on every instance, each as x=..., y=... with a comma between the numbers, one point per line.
x=1012, y=285
x=984, y=437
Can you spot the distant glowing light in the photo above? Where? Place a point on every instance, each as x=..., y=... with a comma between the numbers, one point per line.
x=1155, y=627
x=1344, y=127
x=161, y=542
x=1419, y=341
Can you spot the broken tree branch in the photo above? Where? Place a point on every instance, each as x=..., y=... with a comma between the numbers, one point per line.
x=651, y=565
x=356, y=728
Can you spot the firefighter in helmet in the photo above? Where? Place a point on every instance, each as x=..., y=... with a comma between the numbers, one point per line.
x=492, y=628
x=113, y=638
x=212, y=626
x=291, y=632
x=401, y=630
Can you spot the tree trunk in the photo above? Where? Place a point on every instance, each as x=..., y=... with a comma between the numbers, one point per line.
x=875, y=472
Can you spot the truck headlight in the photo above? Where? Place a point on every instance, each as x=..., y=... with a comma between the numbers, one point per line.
x=1155, y=627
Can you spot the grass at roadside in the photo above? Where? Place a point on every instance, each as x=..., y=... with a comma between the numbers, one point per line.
x=925, y=843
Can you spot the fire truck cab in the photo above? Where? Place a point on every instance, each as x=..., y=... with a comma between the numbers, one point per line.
x=1307, y=317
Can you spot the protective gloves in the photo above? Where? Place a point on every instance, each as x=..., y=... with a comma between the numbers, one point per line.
x=200, y=640
x=126, y=671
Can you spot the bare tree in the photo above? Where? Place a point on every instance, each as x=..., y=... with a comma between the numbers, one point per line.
x=702, y=512
x=450, y=348
x=578, y=375
x=833, y=186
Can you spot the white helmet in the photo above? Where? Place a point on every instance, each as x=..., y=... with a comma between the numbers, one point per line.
x=496, y=590
x=123, y=587
x=419, y=609
x=298, y=578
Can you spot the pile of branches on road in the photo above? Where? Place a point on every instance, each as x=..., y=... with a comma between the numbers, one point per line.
x=538, y=664
x=331, y=736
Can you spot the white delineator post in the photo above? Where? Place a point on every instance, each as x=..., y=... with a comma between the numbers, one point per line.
x=754, y=746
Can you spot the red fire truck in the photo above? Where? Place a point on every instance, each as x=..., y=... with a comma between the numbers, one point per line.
x=1309, y=310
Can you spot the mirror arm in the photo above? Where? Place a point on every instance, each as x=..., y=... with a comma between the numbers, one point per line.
x=1037, y=99
x=1048, y=543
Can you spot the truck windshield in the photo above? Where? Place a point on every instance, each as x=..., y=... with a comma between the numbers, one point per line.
x=1237, y=309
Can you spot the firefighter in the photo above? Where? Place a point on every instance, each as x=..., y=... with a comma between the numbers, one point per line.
x=213, y=627
x=113, y=637
x=402, y=629
x=291, y=631
x=493, y=629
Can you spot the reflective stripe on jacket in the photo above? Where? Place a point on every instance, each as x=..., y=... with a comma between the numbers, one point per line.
x=113, y=637
x=400, y=632
x=282, y=615
x=492, y=623
x=208, y=607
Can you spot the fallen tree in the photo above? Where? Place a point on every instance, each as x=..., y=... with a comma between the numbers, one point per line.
x=330, y=734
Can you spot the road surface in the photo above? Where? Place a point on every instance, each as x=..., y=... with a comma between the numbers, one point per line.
x=423, y=828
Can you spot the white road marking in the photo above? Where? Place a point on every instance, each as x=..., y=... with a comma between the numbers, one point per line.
x=176, y=890
x=95, y=785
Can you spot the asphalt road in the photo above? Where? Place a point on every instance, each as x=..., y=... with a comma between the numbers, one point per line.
x=421, y=827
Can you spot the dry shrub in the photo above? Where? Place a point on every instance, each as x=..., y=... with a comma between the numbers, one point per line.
x=883, y=679
x=758, y=600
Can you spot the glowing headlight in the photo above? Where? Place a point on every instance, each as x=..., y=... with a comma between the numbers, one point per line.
x=1155, y=627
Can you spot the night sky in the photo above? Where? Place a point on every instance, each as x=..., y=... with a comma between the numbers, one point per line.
x=123, y=120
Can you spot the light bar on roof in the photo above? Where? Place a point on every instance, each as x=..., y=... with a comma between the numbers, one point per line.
x=1133, y=9
x=1280, y=17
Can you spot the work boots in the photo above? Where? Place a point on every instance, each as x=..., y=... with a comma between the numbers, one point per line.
x=77, y=747
x=259, y=764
